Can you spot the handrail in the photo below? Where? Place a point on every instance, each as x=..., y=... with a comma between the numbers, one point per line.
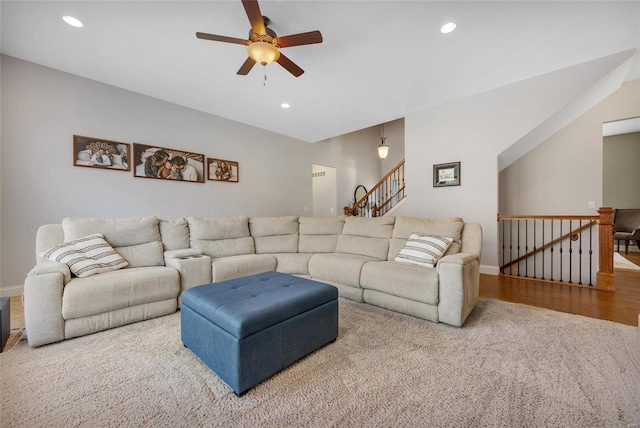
x=604, y=274
x=375, y=208
x=550, y=244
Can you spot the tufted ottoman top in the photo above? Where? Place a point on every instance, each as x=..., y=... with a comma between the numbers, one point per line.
x=246, y=305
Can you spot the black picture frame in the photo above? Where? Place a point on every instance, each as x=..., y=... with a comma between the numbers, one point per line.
x=446, y=174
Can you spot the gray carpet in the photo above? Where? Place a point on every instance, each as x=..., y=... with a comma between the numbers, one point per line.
x=511, y=365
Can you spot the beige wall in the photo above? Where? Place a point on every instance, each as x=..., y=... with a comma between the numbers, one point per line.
x=621, y=171
x=563, y=174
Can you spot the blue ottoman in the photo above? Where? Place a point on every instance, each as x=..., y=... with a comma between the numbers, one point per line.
x=247, y=329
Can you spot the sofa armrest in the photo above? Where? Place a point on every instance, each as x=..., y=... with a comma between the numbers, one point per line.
x=459, y=276
x=43, y=308
x=47, y=266
x=194, y=270
x=186, y=252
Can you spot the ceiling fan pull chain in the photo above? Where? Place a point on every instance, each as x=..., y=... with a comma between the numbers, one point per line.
x=264, y=82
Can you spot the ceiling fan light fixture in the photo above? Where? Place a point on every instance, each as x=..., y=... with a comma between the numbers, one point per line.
x=263, y=53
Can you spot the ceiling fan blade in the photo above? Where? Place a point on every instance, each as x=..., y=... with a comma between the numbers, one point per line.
x=247, y=66
x=300, y=39
x=225, y=39
x=255, y=16
x=290, y=66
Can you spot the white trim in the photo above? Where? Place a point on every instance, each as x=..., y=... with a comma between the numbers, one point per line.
x=490, y=270
x=15, y=290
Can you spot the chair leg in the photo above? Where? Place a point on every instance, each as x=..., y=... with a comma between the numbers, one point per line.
x=626, y=246
x=618, y=245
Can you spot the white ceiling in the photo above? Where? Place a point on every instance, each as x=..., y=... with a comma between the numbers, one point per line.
x=380, y=60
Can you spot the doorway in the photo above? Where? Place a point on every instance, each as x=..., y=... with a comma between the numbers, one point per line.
x=325, y=190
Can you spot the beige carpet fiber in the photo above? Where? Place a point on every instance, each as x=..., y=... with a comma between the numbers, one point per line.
x=511, y=365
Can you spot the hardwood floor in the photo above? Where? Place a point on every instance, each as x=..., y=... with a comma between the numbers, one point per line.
x=622, y=305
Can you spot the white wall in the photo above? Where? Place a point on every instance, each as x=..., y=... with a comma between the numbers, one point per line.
x=41, y=111
x=355, y=156
x=621, y=170
x=325, y=199
x=560, y=176
x=474, y=131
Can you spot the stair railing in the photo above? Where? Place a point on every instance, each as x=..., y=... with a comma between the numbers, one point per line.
x=559, y=249
x=382, y=197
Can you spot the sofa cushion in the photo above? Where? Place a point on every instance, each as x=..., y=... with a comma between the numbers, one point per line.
x=274, y=234
x=221, y=237
x=118, y=232
x=377, y=248
x=141, y=255
x=231, y=267
x=121, y=233
x=293, y=263
x=118, y=289
x=86, y=256
x=377, y=227
x=366, y=236
x=403, y=280
x=175, y=234
x=218, y=228
x=319, y=234
x=423, y=250
x=405, y=226
x=338, y=267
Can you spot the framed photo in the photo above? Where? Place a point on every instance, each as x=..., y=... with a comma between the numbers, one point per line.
x=446, y=174
x=98, y=153
x=222, y=170
x=167, y=164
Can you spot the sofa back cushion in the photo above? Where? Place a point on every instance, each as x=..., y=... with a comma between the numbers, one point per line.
x=221, y=237
x=137, y=240
x=366, y=236
x=319, y=234
x=175, y=234
x=274, y=234
x=446, y=227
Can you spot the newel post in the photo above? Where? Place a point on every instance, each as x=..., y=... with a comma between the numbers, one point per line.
x=606, y=279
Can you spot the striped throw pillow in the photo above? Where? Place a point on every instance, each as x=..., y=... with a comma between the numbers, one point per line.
x=86, y=256
x=423, y=250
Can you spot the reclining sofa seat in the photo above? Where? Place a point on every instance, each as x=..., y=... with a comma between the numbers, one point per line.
x=356, y=255
x=59, y=306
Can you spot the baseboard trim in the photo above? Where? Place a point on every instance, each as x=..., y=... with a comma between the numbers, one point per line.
x=15, y=290
x=490, y=270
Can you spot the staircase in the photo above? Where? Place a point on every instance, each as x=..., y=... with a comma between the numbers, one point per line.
x=387, y=194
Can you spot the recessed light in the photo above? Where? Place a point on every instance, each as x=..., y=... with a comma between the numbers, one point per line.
x=448, y=27
x=285, y=105
x=74, y=22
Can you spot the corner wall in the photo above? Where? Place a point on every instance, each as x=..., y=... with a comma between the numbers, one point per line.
x=43, y=108
x=561, y=175
x=474, y=131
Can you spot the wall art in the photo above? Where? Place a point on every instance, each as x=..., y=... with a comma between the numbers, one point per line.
x=223, y=170
x=98, y=153
x=167, y=164
x=446, y=174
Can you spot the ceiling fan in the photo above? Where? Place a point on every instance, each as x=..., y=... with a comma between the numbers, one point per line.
x=263, y=43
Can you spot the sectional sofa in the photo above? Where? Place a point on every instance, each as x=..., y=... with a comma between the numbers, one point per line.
x=359, y=256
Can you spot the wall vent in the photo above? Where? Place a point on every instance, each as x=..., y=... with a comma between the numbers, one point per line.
x=319, y=174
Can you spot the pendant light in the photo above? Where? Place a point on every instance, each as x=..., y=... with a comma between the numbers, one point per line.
x=383, y=149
